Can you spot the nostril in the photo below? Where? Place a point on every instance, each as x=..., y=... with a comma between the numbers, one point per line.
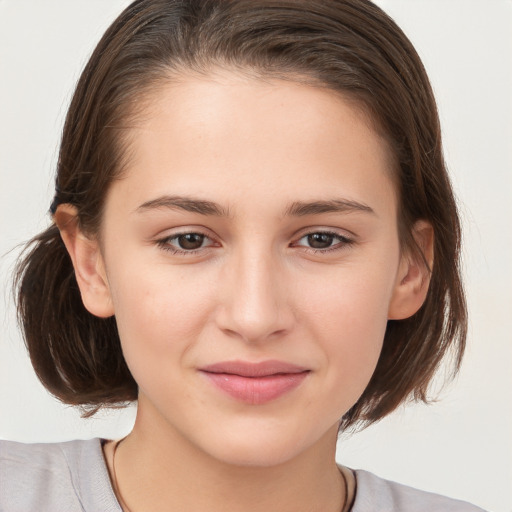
x=253, y=326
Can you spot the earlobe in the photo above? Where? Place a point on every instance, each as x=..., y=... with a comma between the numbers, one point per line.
x=413, y=277
x=87, y=261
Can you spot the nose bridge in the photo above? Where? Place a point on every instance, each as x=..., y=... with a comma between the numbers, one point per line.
x=254, y=306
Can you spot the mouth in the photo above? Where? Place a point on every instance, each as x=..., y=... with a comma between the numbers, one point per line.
x=255, y=383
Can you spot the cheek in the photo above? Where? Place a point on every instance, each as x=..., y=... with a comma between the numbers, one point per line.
x=352, y=299
x=353, y=333
x=160, y=313
x=348, y=317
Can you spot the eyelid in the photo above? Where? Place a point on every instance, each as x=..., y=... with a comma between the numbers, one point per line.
x=172, y=232
x=163, y=241
x=344, y=242
x=345, y=239
x=341, y=233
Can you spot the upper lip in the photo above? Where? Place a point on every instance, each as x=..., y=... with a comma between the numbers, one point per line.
x=248, y=369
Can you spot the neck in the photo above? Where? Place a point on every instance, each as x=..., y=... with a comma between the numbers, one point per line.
x=157, y=467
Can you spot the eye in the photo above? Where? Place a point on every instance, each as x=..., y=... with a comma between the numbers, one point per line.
x=323, y=241
x=185, y=242
x=190, y=241
x=319, y=240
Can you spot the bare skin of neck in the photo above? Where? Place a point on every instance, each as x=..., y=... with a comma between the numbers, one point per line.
x=153, y=474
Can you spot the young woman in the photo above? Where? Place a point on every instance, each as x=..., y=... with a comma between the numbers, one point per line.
x=254, y=236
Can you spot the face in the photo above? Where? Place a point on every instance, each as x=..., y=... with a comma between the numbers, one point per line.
x=251, y=257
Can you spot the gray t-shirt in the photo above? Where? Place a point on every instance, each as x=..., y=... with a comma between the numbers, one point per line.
x=73, y=477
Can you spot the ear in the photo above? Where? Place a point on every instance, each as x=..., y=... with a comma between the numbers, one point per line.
x=87, y=261
x=413, y=277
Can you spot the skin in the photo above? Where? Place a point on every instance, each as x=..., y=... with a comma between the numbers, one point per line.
x=254, y=290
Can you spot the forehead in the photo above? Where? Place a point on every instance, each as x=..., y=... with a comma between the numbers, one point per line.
x=229, y=134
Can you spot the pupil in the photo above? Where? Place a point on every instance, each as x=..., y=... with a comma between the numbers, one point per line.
x=320, y=240
x=191, y=241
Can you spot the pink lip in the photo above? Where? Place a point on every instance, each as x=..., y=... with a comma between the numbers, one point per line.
x=255, y=383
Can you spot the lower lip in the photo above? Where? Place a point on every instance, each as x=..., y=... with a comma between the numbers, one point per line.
x=256, y=390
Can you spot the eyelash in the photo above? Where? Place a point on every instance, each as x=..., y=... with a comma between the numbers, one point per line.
x=164, y=243
x=343, y=243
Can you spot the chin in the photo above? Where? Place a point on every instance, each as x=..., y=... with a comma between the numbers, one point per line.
x=260, y=448
x=255, y=456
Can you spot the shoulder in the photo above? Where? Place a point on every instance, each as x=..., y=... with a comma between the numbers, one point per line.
x=375, y=493
x=55, y=476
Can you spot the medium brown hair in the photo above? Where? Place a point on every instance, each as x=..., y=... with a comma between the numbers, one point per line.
x=349, y=46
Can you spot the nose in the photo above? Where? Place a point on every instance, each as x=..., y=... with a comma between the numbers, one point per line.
x=254, y=303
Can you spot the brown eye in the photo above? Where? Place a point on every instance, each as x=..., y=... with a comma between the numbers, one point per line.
x=190, y=241
x=320, y=240
x=324, y=241
x=186, y=243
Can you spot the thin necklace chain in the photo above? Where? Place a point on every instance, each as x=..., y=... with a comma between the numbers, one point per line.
x=345, y=508
x=123, y=504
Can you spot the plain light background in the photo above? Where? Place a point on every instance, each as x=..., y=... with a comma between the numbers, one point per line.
x=460, y=446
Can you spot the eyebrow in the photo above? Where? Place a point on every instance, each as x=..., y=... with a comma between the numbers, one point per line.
x=188, y=204
x=295, y=209
x=301, y=209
